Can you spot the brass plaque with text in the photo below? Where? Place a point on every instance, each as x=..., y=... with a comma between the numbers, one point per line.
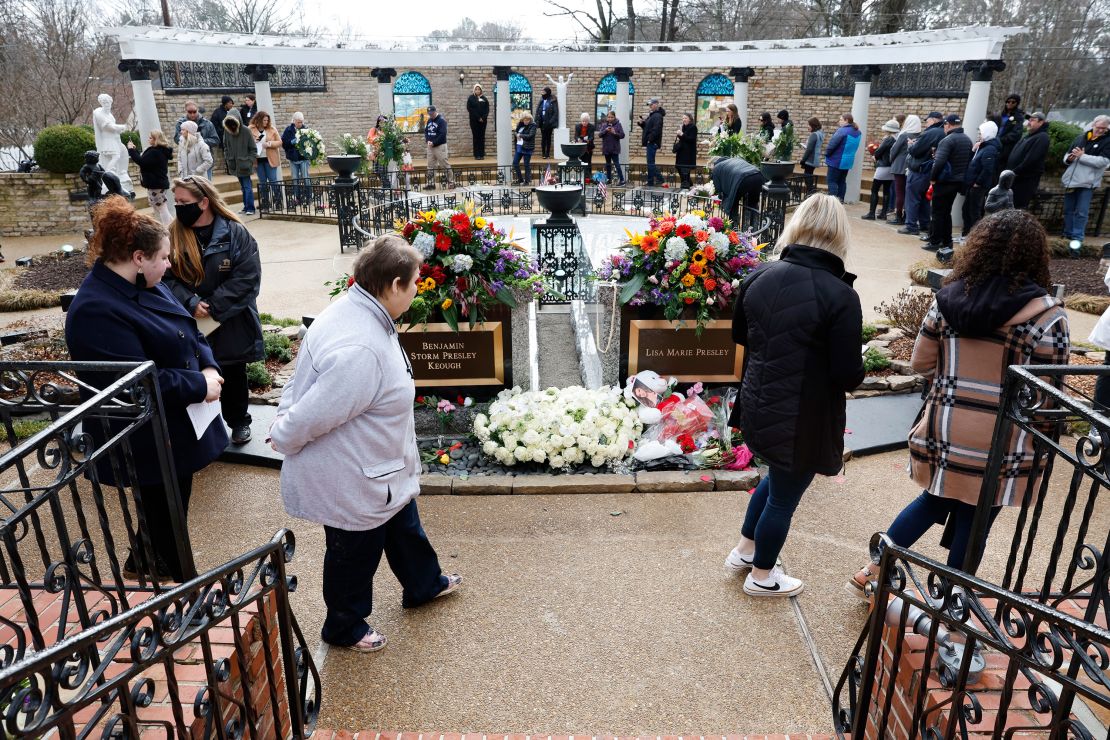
x=711, y=358
x=443, y=358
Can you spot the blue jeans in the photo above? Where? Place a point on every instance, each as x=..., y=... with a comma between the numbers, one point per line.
x=918, y=210
x=300, y=180
x=654, y=176
x=269, y=184
x=248, y=193
x=352, y=558
x=526, y=155
x=1077, y=205
x=770, y=510
x=838, y=179
x=927, y=510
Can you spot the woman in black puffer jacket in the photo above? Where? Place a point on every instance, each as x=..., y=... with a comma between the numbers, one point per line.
x=154, y=168
x=799, y=322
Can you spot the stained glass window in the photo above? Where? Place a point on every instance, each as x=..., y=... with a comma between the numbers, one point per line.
x=606, y=95
x=714, y=93
x=412, y=94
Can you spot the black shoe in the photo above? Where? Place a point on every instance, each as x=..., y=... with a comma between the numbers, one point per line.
x=882, y=216
x=909, y=230
x=925, y=237
x=896, y=221
x=868, y=216
x=241, y=434
x=930, y=247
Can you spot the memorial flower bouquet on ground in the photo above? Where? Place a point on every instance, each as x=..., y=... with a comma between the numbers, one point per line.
x=683, y=263
x=559, y=427
x=469, y=266
x=310, y=145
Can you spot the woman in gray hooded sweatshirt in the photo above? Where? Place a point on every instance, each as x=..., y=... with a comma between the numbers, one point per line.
x=898, y=154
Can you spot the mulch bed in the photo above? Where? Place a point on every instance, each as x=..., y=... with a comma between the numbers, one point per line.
x=1081, y=275
x=1083, y=384
x=54, y=273
x=901, y=348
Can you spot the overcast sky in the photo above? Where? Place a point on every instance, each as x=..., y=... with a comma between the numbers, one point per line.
x=393, y=20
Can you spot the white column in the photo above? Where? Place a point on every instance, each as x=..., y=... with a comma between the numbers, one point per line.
x=263, y=99
x=146, y=111
x=503, y=118
x=975, y=112
x=384, y=76
x=624, y=110
x=740, y=77
x=861, y=102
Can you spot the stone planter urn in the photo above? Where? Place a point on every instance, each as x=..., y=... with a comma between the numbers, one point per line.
x=559, y=200
x=344, y=165
x=776, y=173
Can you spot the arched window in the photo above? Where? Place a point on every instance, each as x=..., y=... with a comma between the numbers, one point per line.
x=520, y=93
x=606, y=95
x=412, y=94
x=714, y=93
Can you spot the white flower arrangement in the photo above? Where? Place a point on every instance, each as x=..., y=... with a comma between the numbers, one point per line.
x=426, y=243
x=560, y=427
x=461, y=262
x=445, y=215
x=693, y=221
x=718, y=240
x=310, y=144
x=675, y=249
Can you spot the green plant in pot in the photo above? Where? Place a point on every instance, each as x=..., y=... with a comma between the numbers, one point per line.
x=390, y=143
x=779, y=163
x=745, y=146
x=352, y=156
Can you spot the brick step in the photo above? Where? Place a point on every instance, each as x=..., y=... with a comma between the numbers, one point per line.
x=324, y=734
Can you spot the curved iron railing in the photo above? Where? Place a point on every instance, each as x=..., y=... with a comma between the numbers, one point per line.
x=160, y=665
x=920, y=668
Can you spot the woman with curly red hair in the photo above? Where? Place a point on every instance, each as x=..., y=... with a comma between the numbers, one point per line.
x=124, y=313
x=994, y=311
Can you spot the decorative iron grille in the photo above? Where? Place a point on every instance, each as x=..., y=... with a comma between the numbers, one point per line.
x=188, y=77
x=942, y=80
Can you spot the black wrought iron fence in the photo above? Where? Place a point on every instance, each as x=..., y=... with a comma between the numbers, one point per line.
x=1059, y=548
x=180, y=664
x=945, y=655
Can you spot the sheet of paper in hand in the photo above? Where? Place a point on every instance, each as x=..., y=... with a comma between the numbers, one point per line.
x=202, y=414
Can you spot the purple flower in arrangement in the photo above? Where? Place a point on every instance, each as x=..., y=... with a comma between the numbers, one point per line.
x=522, y=273
x=499, y=266
x=496, y=286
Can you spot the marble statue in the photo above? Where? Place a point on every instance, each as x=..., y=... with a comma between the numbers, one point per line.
x=562, y=133
x=113, y=154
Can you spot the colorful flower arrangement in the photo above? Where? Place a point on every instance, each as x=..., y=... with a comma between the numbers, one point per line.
x=469, y=265
x=683, y=263
x=389, y=145
x=443, y=409
x=559, y=427
x=310, y=145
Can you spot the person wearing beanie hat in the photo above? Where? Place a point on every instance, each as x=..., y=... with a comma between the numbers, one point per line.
x=784, y=119
x=194, y=157
x=981, y=173
x=883, y=177
x=1011, y=122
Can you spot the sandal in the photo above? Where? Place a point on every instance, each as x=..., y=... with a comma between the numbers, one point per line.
x=371, y=642
x=453, y=582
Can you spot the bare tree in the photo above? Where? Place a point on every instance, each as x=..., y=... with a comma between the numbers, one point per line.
x=468, y=28
x=598, y=25
x=630, y=17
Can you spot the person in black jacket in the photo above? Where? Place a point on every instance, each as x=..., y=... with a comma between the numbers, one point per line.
x=948, y=178
x=652, y=140
x=123, y=313
x=525, y=145
x=477, y=109
x=766, y=126
x=799, y=322
x=249, y=109
x=981, y=173
x=226, y=103
x=737, y=182
x=154, y=167
x=686, y=149
x=919, y=167
x=1027, y=160
x=547, y=118
x=216, y=274
x=1011, y=125
x=882, y=179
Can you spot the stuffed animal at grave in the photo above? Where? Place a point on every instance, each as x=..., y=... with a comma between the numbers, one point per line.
x=99, y=182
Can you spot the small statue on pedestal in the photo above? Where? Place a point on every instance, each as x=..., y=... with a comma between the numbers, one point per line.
x=100, y=182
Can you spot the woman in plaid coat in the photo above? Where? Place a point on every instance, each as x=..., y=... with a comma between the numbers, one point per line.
x=993, y=312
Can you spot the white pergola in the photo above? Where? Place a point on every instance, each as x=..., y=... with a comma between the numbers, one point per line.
x=980, y=47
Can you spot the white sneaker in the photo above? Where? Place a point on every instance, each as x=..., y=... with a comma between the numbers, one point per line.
x=736, y=562
x=779, y=584
x=1075, y=245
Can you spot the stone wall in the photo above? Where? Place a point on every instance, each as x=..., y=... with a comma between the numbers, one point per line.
x=37, y=204
x=350, y=104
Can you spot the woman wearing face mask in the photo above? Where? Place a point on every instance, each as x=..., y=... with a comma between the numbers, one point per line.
x=216, y=273
x=124, y=313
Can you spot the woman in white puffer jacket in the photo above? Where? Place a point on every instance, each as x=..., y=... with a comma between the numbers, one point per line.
x=193, y=155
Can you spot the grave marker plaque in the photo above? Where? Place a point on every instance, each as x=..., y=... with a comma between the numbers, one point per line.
x=474, y=361
x=655, y=344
